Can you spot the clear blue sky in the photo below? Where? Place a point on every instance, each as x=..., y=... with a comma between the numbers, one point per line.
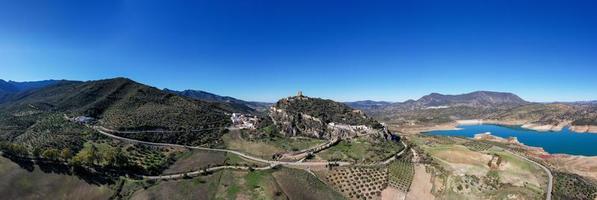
x=344, y=50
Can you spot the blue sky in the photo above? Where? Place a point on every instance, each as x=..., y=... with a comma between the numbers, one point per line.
x=343, y=50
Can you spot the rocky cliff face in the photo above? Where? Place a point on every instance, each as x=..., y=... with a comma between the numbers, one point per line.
x=295, y=117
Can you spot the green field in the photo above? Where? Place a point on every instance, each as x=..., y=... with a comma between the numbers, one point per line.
x=267, y=146
x=361, y=150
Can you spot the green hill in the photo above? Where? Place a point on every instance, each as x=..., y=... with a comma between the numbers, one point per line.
x=119, y=104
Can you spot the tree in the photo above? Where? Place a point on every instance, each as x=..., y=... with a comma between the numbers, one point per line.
x=37, y=151
x=120, y=160
x=87, y=156
x=107, y=156
x=15, y=149
x=66, y=154
x=51, y=153
x=93, y=155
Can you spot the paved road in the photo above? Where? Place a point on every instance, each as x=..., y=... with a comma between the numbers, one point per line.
x=104, y=131
x=198, y=172
x=272, y=163
x=550, y=176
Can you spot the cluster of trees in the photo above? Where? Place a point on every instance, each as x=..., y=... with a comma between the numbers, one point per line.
x=572, y=186
x=54, y=154
x=13, y=149
x=90, y=155
x=107, y=156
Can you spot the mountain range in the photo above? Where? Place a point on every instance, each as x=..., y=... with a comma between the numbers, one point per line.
x=108, y=99
x=478, y=99
x=504, y=107
x=8, y=88
x=206, y=96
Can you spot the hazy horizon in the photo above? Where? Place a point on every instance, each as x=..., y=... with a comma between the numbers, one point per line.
x=346, y=51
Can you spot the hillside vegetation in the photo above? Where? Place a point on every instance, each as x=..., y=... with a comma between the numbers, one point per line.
x=326, y=110
x=123, y=104
x=246, y=106
x=35, y=124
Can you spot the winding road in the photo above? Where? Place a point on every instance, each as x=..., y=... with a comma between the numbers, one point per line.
x=198, y=172
x=105, y=132
x=272, y=163
x=550, y=176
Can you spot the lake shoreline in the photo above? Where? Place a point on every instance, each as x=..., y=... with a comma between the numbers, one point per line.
x=578, y=164
x=554, y=149
x=532, y=126
x=583, y=165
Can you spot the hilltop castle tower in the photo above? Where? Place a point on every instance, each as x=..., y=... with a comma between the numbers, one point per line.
x=299, y=94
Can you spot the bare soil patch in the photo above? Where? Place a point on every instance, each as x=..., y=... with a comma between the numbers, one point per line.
x=421, y=186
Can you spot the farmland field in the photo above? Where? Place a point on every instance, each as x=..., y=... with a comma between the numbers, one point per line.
x=360, y=150
x=358, y=182
x=267, y=146
x=471, y=169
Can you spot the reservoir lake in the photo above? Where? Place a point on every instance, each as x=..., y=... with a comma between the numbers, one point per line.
x=565, y=141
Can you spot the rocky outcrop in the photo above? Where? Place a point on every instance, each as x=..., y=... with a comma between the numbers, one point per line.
x=298, y=123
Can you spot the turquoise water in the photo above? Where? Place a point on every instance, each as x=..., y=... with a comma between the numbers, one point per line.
x=564, y=141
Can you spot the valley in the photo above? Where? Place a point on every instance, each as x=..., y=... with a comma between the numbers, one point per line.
x=119, y=139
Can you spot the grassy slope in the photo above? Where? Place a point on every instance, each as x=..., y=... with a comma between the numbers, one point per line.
x=198, y=159
x=267, y=146
x=18, y=183
x=298, y=184
x=196, y=188
x=195, y=160
x=280, y=183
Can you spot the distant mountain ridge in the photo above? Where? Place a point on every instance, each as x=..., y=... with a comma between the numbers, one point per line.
x=473, y=99
x=9, y=88
x=206, y=96
x=438, y=108
x=478, y=99
x=367, y=104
